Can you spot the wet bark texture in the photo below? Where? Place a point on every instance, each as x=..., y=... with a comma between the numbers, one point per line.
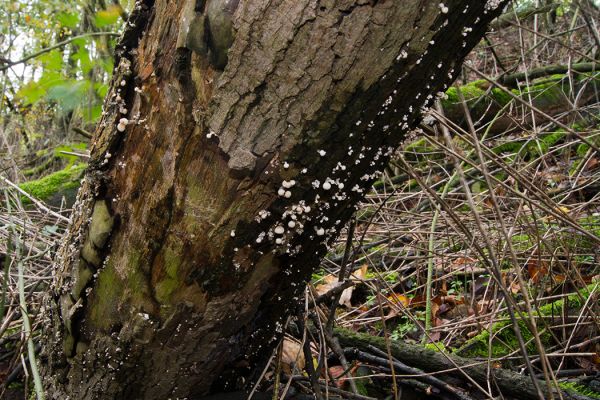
x=211, y=194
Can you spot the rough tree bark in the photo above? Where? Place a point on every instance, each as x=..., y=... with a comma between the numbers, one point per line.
x=211, y=194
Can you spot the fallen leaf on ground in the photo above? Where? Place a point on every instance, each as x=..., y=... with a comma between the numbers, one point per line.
x=292, y=356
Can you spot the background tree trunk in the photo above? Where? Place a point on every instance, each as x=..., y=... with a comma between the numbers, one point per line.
x=204, y=212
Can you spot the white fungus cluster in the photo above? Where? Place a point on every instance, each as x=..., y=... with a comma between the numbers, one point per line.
x=492, y=4
x=403, y=55
x=278, y=232
x=336, y=185
x=284, y=189
x=122, y=124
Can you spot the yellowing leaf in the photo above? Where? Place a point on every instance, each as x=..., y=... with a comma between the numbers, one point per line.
x=108, y=16
x=398, y=299
x=360, y=274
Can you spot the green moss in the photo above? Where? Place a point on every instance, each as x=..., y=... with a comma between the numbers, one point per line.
x=170, y=281
x=437, y=346
x=503, y=338
x=541, y=146
x=114, y=290
x=478, y=97
x=579, y=389
x=107, y=295
x=531, y=148
x=582, y=149
x=137, y=289
x=591, y=223
x=469, y=91
x=38, y=169
x=54, y=184
x=501, y=176
x=501, y=97
x=514, y=146
x=419, y=146
x=522, y=242
x=365, y=213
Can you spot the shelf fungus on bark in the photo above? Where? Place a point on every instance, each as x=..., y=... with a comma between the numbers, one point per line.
x=209, y=31
x=90, y=260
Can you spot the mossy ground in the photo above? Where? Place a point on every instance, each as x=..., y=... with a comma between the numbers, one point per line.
x=503, y=339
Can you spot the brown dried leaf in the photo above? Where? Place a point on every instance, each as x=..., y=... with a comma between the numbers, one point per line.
x=292, y=355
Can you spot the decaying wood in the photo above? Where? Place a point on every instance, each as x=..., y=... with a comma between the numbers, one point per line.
x=211, y=195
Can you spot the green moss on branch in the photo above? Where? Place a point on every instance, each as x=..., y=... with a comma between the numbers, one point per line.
x=52, y=188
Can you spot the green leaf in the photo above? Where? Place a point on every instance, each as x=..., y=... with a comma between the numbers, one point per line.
x=108, y=16
x=53, y=60
x=68, y=20
x=34, y=91
x=83, y=57
x=93, y=114
x=107, y=65
x=101, y=89
x=69, y=93
x=31, y=92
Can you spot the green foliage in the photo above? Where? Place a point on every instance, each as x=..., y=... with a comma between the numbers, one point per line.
x=72, y=78
x=405, y=327
x=109, y=16
x=68, y=19
x=69, y=93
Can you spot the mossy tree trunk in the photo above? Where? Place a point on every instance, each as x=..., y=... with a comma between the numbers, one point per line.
x=203, y=213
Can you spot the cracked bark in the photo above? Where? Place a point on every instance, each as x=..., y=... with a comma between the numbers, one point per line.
x=193, y=279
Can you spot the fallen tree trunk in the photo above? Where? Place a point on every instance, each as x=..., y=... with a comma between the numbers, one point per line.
x=510, y=383
x=57, y=189
x=523, y=14
x=557, y=95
